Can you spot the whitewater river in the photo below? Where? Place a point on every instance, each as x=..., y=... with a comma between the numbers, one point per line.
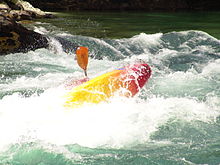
x=175, y=119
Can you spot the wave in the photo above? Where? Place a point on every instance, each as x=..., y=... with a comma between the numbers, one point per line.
x=183, y=92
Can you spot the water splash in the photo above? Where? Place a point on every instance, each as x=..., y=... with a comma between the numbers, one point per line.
x=184, y=87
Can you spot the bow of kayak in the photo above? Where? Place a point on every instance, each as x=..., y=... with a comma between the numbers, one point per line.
x=125, y=81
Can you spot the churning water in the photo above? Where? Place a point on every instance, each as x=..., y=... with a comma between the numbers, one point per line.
x=175, y=119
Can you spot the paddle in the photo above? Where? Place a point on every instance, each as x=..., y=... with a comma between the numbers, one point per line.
x=82, y=58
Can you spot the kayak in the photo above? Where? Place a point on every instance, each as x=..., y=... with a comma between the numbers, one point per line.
x=126, y=81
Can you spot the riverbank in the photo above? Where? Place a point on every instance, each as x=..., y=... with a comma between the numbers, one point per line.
x=18, y=10
x=13, y=36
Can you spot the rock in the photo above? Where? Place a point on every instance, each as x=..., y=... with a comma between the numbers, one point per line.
x=26, y=9
x=21, y=15
x=26, y=6
x=15, y=38
x=4, y=7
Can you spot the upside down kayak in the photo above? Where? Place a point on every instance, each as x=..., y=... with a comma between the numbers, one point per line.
x=125, y=81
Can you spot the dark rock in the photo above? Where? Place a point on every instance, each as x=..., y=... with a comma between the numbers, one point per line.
x=15, y=38
x=21, y=15
x=12, y=5
x=4, y=7
x=23, y=9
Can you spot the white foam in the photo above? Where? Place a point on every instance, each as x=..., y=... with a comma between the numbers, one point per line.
x=213, y=68
x=122, y=122
x=146, y=40
x=116, y=124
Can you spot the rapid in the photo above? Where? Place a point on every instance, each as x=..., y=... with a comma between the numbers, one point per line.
x=175, y=119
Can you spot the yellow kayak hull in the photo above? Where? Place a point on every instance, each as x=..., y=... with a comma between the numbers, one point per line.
x=125, y=82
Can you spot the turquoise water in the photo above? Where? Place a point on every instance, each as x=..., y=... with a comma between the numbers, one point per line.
x=127, y=24
x=175, y=119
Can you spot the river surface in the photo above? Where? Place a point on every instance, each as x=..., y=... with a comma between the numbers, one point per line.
x=175, y=119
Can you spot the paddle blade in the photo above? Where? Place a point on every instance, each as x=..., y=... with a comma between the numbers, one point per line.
x=82, y=57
